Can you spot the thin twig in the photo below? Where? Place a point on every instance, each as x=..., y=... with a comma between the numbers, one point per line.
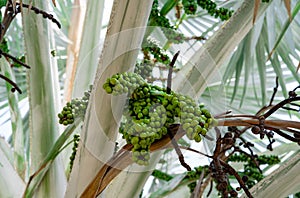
x=237, y=116
x=38, y=11
x=179, y=153
x=222, y=114
x=290, y=109
x=193, y=150
x=197, y=189
x=14, y=59
x=174, y=143
x=15, y=86
x=286, y=136
x=210, y=188
x=171, y=66
x=296, y=88
x=279, y=105
x=274, y=92
x=238, y=178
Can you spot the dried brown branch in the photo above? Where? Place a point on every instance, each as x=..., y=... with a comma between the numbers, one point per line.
x=238, y=178
x=38, y=11
x=274, y=91
x=280, y=104
x=287, y=4
x=255, y=11
x=174, y=143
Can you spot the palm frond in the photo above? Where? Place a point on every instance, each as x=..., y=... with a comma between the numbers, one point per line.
x=262, y=39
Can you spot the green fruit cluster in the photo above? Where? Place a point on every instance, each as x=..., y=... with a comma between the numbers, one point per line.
x=161, y=175
x=211, y=7
x=151, y=110
x=156, y=19
x=194, y=175
x=144, y=68
x=76, y=140
x=123, y=83
x=74, y=109
x=174, y=36
x=153, y=47
x=270, y=160
x=262, y=159
x=251, y=171
x=190, y=6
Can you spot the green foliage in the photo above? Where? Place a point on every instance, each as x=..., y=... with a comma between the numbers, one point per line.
x=3, y=3
x=4, y=46
x=21, y=59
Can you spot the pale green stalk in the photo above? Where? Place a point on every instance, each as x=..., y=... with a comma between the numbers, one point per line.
x=5, y=148
x=11, y=183
x=282, y=182
x=74, y=35
x=90, y=47
x=60, y=145
x=18, y=136
x=121, y=46
x=131, y=181
x=43, y=99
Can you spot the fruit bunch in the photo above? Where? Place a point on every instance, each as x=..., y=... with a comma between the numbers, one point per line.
x=211, y=7
x=151, y=46
x=74, y=109
x=76, y=139
x=161, y=175
x=156, y=19
x=190, y=6
x=151, y=110
x=251, y=170
x=194, y=175
x=144, y=68
x=123, y=83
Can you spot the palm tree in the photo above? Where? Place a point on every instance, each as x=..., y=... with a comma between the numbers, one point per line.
x=35, y=155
